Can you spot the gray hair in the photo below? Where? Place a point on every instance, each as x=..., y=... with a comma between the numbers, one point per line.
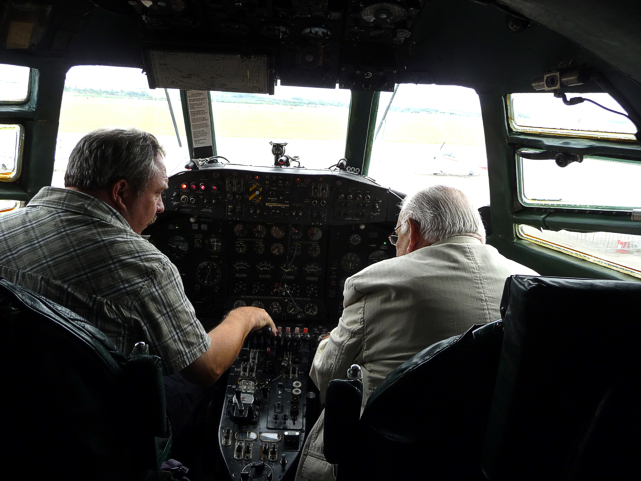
x=442, y=212
x=105, y=156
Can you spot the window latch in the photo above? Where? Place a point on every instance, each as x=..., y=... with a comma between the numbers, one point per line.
x=562, y=159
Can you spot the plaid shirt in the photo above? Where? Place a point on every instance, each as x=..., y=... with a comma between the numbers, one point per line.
x=79, y=252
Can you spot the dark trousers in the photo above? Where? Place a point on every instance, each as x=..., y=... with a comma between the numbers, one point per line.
x=186, y=402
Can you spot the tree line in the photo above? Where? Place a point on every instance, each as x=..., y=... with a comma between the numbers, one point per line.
x=241, y=98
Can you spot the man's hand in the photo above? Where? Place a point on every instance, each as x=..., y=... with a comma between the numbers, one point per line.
x=226, y=341
x=255, y=317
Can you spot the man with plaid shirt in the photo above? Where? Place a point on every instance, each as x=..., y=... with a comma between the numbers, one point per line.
x=81, y=247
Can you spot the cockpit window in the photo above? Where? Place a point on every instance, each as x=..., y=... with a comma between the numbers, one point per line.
x=313, y=122
x=595, y=183
x=99, y=97
x=428, y=135
x=10, y=151
x=14, y=84
x=621, y=252
x=7, y=206
x=543, y=113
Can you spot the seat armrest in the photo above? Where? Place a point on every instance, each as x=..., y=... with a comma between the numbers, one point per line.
x=342, y=413
x=146, y=391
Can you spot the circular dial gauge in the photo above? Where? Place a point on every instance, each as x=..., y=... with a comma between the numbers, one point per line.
x=314, y=233
x=355, y=239
x=295, y=249
x=264, y=266
x=258, y=288
x=314, y=250
x=259, y=248
x=275, y=308
x=293, y=289
x=240, y=287
x=311, y=309
x=258, y=304
x=215, y=243
x=312, y=268
x=277, y=249
x=241, y=266
x=240, y=247
x=239, y=303
x=296, y=234
x=208, y=273
x=277, y=232
x=291, y=307
x=260, y=231
x=312, y=291
x=240, y=230
x=350, y=262
x=177, y=247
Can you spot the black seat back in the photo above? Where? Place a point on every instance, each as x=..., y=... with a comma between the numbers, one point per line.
x=428, y=418
x=71, y=403
x=567, y=395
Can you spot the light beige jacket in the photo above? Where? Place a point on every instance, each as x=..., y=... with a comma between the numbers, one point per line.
x=398, y=307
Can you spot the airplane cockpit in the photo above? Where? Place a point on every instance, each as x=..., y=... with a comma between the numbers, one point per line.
x=293, y=130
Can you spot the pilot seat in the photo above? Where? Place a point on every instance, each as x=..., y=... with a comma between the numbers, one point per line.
x=72, y=406
x=425, y=421
x=550, y=392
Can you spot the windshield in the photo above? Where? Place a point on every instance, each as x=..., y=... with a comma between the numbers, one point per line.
x=101, y=97
x=431, y=135
x=312, y=121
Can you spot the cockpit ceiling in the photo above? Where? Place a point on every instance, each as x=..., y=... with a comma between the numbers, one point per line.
x=370, y=44
x=608, y=28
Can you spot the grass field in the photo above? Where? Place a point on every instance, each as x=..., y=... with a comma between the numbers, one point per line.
x=80, y=115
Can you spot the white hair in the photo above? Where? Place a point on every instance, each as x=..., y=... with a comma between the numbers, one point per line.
x=441, y=212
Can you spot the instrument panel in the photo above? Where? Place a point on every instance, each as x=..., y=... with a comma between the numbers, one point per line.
x=284, y=240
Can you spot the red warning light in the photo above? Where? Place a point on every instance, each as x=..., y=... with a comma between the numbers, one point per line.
x=214, y=187
x=203, y=187
x=184, y=186
x=193, y=186
x=257, y=177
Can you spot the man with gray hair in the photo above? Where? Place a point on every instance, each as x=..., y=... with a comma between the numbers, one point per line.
x=81, y=247
x=443, y=280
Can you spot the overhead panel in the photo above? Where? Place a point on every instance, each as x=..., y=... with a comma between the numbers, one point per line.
x=355, y=44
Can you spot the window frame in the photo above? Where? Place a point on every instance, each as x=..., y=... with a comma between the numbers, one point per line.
x=525, y=202
x=575, y=253
x=513, y=127
x=19, y=151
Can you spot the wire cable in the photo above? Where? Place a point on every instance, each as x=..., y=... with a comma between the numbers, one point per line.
x=578, y=100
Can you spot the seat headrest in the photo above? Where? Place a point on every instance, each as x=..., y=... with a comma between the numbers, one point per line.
x=566, y=343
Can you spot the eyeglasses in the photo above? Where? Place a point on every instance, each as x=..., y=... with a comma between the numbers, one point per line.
x=393, y=238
